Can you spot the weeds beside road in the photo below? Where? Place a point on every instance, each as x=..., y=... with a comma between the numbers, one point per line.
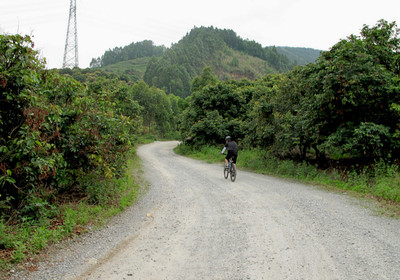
x=74, y=217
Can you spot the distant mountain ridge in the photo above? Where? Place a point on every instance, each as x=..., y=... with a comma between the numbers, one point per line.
x=301, y=56
x=230, y=57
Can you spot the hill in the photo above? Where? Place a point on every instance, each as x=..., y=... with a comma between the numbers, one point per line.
x=131, y=59
x=173, y=69
x=300, y=56
x=228, y=55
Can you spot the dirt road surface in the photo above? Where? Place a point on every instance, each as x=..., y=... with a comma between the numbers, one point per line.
x=194, y=224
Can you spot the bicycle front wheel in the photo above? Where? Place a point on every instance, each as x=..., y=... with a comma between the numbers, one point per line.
x=233, y=172
x=226, y=172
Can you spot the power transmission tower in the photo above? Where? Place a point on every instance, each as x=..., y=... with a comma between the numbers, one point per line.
x=71, y=42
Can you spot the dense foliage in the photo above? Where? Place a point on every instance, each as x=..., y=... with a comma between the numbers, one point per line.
x=61, y=137
x=55, y=133
x=344, y=106
x=236, y=108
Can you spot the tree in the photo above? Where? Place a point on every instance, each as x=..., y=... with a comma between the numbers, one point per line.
x=214, y=109
x=28, y=127
x=206, y=78
x=156, y=108
x=260, y=126
x=57, y=135
x=345, y=100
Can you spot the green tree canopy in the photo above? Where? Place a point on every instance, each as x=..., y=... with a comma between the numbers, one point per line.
x=343, y=104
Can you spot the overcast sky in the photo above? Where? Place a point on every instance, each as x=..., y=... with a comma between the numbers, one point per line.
x=103, y=25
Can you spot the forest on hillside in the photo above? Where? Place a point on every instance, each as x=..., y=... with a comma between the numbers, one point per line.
x=230, y=57
x=300, y=56
x=132, y=51
x=213, y=47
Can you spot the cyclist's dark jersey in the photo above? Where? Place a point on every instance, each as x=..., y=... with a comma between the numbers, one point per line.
x=232, y=151
x=232, y=148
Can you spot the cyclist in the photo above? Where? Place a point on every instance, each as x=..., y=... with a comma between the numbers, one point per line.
x=232, y=148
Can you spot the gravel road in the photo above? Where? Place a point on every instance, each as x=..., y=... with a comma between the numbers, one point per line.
x=194, y=224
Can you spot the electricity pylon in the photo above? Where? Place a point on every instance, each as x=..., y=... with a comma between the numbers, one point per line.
x=71, y=42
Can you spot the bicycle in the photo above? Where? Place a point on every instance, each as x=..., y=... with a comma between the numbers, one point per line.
x=230, y=169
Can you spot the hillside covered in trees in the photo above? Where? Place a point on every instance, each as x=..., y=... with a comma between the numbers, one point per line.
x=229, y=56
x=300, y=56
x=129, y=52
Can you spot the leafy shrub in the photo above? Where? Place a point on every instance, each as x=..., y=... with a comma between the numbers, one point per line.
x=28, y=125
x=55, y=130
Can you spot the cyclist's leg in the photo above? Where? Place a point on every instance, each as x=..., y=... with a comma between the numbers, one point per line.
x=234, y=158
x=228, y=156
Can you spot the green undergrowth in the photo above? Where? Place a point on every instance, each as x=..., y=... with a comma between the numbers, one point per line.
x=380, y=182
x=206, y=153
x=22, y=241
x=151, y=137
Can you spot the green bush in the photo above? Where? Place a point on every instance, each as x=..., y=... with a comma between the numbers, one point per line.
x=57, y=133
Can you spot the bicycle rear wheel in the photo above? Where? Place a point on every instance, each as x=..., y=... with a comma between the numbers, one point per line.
x=233, y=172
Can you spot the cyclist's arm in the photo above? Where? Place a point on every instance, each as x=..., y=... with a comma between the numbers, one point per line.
x=223, y=150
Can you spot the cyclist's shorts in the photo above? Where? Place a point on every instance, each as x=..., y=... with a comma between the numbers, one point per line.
x=231, y=155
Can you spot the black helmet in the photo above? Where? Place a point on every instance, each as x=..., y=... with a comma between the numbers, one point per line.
x=228, y=138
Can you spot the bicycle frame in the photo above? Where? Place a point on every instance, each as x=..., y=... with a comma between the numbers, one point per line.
x=230, y=169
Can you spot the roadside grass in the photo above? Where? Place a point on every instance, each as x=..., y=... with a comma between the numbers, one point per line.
x=380, y=183
x=21, y=243
x=206, y=153
x=146, y=139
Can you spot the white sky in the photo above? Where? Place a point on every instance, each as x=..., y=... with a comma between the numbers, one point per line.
x=103, y=25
